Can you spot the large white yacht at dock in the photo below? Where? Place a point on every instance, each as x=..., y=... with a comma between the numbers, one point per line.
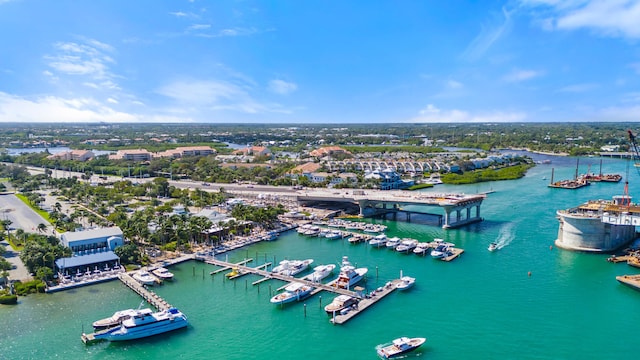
x=320, y=272
x=349, y=275
x=292, y=267
x=293, y=292
x=117, y=318
x=142, y=324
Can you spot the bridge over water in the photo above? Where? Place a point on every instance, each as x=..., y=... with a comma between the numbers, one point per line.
x=459, y=209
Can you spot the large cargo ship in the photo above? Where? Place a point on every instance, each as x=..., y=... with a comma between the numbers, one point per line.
x=598, y=225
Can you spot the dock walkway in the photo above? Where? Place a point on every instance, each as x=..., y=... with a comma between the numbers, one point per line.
x=366, y=303
x=151, y=297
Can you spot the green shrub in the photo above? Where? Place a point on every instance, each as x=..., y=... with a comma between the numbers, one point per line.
x=29, y=287
x=8, y=299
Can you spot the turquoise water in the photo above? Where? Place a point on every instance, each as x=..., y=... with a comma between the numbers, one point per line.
x=481, y=305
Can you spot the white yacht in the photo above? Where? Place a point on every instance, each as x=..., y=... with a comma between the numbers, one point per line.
x=117, y=318
x=320, y=272
x=378, y=240
x=334, y=234
x=293, y=292
x=399, y=346
x=393, y=242
x=163, y=273
x=143, y=277
x=292, y=267
x=440, y=251
x=493, y=246
x=349, y=275
x=143, y=324
x=407, y=245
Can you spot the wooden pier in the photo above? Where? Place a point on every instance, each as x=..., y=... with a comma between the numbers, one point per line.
x=365, y=303
x=455, y=252
x=150, y=296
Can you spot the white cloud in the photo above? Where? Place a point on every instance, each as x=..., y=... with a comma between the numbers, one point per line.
x=178, y=14
x=112, y=101
x=488, y=36
x=614, y=18
x=578, y=88
x=282, y=87
x=452, y=84
x=55, y=109
x=198, y=27
x=522, y=75
x=218, y=95
x=77, y=59
x=431, y=114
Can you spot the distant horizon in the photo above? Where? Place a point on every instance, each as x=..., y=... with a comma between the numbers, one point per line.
x=293, y=62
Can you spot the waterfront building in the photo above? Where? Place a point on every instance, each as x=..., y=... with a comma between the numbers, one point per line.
x=90, y=248
x=187, y=151
x=253, y=151
x=132, y=155
x=78, y=155
x=389, y=179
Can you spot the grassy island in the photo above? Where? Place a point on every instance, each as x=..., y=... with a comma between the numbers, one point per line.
x=476, y=176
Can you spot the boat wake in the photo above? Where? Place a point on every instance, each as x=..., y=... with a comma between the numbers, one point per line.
x=506, y=236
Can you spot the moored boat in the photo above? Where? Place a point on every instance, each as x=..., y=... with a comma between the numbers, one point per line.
x=117, y=318
x=407, y=245
x=421, y=248
x=405, y=283
x=292, y=267
x=399, y=346
x=144, y=277
x=393, y=242
x=340, y=303
x=293, y=292
x=320, y=272
x=440, y=251
x=349, y=275
x=378, y=240
x=143, y=324
x=163, y=273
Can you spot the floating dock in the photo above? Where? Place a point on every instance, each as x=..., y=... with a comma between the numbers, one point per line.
x=365, y=303
x=455, y=252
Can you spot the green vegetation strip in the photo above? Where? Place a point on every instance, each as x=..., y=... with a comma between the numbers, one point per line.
x=472, y=177
x=420, y=186
x=41, y=212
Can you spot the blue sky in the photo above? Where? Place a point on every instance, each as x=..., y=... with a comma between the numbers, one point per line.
x=292, y=61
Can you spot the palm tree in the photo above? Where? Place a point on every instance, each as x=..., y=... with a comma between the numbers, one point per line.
x=41, y=228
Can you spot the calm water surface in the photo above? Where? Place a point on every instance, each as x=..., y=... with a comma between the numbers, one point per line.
x=481, y=306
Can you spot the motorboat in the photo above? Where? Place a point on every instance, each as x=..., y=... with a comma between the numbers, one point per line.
x=405, y=282
x=320, y=272
x=234, y=272
x=292, y=267
x=378, y=240
x=393, y=242
x=293, y=292
x=304, y=228
x=354, y=239
x=349, y=275
x=340, y=303
x=143, y=324
x=163, y=273
x=334, y=234
x=399, y=346
x=407, y=245
x=493, y=246
x=117, y=318
x=440, y=251
x=144, y=277
x=421, y=248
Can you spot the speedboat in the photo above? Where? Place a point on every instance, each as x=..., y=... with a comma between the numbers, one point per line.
x=143, y=324
x=405, y=282
x=163, y=273
x=144, y=277
x=378, y=240
x=493, y=246
x=340, y=303
x=421, y=248
x=320, y=272
x=440, y=251
x=293, y=292
x=292, y=267
x=234, y=272
x=393, y=242
x=407, y=245
x=399, y=346
x=117, y=318
x=334, y=234
x=349, y=275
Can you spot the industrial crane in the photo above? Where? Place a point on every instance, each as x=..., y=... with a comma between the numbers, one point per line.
x=635, y=154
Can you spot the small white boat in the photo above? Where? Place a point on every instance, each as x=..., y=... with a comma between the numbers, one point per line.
x=340, y=303
x=440, y=251
x=293, y=292
x=292, y=267
x=378, y=240
x=493, y=246
x=405, y=283
x=320, y=272
x=421, y=248
x=407, y=245
x=334, y=234
x=399, y=346
x=393, y=242
x=144, y=277
x=163, y=273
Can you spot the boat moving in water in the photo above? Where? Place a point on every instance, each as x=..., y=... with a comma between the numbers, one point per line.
x=493, y=246
x=399, y=346
x=143, y=324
